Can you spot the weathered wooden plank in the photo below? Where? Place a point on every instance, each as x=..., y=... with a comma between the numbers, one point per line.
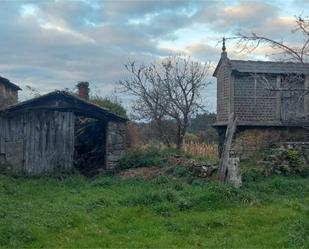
x=46, y=147
x=14, y=155
x=230, y=131
x=47, y=140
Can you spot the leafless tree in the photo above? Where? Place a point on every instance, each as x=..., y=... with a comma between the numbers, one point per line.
x=167, y=89
x=297, y=53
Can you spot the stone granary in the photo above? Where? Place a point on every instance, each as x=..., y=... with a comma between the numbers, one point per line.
x=57, y=132
x=268, y=99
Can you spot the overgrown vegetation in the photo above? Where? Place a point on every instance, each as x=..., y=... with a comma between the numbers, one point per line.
x=153, y=155
x=165, y=212
x=112, y=105
x=149, y=156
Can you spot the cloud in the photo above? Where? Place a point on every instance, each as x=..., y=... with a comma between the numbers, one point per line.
x=53, y=44
x=245, y=14
x=138, y=9
x=203, y=50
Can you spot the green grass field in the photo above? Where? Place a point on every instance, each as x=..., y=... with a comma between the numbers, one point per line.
x=165, y=212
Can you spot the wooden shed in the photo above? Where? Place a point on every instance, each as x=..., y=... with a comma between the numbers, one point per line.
x=39, y=136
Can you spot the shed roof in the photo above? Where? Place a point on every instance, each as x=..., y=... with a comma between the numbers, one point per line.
x=269, y=67
x=64, y=101
x=9, y=83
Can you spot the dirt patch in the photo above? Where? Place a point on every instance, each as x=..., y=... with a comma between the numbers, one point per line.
x=143, y=172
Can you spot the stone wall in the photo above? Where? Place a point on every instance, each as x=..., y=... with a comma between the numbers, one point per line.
x=286, y=158
x=249, y=141
x=116, y=143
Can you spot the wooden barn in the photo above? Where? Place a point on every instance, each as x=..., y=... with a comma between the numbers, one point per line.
x=269, y=99
x=59, y=131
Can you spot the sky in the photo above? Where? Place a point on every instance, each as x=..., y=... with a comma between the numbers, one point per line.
x=53, y=44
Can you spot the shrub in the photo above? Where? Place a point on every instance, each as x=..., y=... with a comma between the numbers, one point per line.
x=252, y=175
x=150, y=156
x=181, y=171
x=294, y=158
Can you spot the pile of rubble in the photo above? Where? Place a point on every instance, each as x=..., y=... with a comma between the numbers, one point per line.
x=198, y=168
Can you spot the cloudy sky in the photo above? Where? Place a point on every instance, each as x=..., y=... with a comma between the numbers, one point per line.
x=54, y=44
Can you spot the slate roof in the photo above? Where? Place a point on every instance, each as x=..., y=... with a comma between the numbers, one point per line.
x=9, y=83
x=64, y=101
x=273, y=67
x=269, y=67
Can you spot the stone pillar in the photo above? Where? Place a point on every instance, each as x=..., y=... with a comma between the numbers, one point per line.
x=116, y=143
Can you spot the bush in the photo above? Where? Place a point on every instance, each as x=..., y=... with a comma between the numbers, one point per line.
x=253, y=174
x=181, y=171
x=150, y=156
x=294, y=158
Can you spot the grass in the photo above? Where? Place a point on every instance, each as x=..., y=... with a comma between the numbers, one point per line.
x=166, y=212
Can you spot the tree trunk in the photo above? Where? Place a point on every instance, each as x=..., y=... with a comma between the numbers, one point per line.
x=179, y=140
x=163, y=136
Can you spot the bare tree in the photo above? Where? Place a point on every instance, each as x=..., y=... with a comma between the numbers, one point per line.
x=167, y=89
x=298, y=53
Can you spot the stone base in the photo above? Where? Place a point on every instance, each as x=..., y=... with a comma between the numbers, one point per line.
x=249, y=141
x=116, y=143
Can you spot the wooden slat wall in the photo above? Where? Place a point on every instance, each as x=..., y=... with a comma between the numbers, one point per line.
x=47, y=136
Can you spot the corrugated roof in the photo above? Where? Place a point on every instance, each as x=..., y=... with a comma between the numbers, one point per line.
x=269, y=67
x=9, y=83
